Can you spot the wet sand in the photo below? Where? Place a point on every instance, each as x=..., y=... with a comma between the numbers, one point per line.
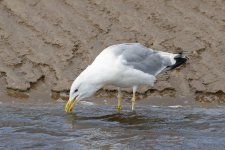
x=55, y=41
x=44, y=45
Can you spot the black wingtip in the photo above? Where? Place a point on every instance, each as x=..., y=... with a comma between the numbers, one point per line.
x=180, y=59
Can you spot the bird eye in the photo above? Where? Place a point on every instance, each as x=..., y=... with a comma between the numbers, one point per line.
x=76, y=90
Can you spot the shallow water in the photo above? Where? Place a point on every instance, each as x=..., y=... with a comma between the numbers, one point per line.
x=46, y=126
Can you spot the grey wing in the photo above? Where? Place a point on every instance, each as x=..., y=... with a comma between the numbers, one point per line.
x=144, y=59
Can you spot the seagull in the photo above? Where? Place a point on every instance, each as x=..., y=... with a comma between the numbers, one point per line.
x=122, y=65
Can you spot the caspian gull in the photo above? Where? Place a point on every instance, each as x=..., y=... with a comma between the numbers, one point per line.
x=122, y=65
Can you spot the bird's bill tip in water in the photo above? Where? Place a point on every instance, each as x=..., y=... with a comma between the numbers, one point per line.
x=70, y=104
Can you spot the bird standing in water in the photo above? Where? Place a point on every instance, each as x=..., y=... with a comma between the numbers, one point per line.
x=122, y=65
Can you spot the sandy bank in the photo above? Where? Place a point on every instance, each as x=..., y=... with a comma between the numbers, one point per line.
x=52, y=42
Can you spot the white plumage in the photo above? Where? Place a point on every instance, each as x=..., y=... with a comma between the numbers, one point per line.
x=122, y=65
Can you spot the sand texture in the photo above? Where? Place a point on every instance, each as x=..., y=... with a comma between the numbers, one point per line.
x=52, y=41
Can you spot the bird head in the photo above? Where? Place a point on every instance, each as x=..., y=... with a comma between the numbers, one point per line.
x=83, y=87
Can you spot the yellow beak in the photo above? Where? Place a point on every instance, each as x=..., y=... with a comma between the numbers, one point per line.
x=69, y=105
